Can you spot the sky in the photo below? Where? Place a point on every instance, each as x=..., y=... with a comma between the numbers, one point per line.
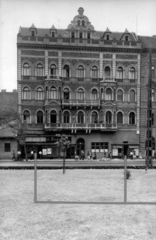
x=137, y=16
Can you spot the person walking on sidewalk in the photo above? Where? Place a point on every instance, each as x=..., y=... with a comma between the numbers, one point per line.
x=13, y=155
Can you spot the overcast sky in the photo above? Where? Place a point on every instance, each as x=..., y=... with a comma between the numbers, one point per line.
x=136, y=15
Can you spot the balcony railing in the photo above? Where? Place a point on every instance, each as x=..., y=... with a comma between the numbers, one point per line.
x=80, y=102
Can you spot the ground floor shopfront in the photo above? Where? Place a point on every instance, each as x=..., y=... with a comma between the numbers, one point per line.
x=101, y=143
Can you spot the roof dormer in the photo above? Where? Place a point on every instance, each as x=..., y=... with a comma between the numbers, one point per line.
x=107, y=35
x=33, y=30
x=126, y=36
x=53, y=31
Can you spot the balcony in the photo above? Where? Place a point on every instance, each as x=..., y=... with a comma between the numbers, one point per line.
x=80, y=103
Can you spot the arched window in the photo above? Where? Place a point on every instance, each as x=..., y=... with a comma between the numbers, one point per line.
x=66, y=117
x=80, y=70
x=39, y=70
x=119, y=118
x=53, y=116
x=120, y=95
x=132, y=73
x=107, y=72
x=132, y=118
x=108, y=94
x=94, y=72
x=26, y=116
x=26, y=70
x=53, y=70
x=120, y=73
x=26, y=93
x=94, y=117
x=94, y=95
x=39, y=117
x=53, y=93
x=132, y=96
x=66, y=93
x=108, y=117
x=80, y=117
x=66, y=71
x=39, y=94
x=80, y=94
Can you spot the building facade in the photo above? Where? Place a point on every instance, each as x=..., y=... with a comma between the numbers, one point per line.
x=80, y=82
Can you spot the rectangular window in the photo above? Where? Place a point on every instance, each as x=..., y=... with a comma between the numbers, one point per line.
x=88, y=35
x=107, y=37
x=32, y=33
x=99, y=146
x=7, y=147
x=80, y=35
x=126, y=38
x=53, y=34
x=73, y=35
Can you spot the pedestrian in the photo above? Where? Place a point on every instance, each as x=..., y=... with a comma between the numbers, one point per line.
x=94, y=157
x=32, y=155
x=13, y=155
x=88, y=155
x=110, y=155
x=91, y=156
x=131, y=155
x=76, y=157
x=40, y=154
x=82, y=155
x=18, y=155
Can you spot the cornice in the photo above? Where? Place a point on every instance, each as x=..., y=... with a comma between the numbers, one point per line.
x=77, y=48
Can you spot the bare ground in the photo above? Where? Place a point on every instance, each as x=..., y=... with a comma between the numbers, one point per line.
x=21, y=218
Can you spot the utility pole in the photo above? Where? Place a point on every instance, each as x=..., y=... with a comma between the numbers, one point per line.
x=149, y=118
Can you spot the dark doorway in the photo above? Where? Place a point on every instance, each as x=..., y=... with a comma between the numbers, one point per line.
x=80, y=145
x=125, y=150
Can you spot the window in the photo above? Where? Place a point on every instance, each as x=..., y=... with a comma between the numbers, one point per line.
x=53, y=93
x=73, y=35
x=119, y=118
x=53, y=34
x=152, y=118
x=26, y=116
x=108, y=94
x=32, y=33
x=126, y=38
x=40, y=117
x=7, y=147
x=53, y=70
x=132, y=96
x=153, y=95
x=26, y=70
x=132, y=118
x=120, y=73
x=83, y=23
x=39, y=94
x=94, y=72
x=99, y=146
x=80, y=117
x=53, y=116
x=107, y=72
x=66, y=117
x=132, y=73
x=39, y=70
x=80, y=71
x=120, y=95
x=88, y=35
x=26, y=93
x=107, y=37
x=66, y=93
x=66, y=71
x=80, y=94
x=153, y=71
x=94, y=95
x=94, y=117
x=80, y=35
x=78, y=22
x=108, y=117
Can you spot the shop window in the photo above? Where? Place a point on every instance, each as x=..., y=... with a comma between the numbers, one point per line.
x=80, y=94
x=94, y=117
x=94, y=95
x=26, y=69
x=39, y=117
x=120, y=95
x=39, y=94
x=119, y=73
x=26, y=116
x=53, y=93
x=132, y=73
x=66, y=117
x=108, y=117
x=26, y=93
x=132, y=118
x=108, y=94
x=99, y=147
x=119, y=118
x=132, y=96
x=7, y=147
x=94, y=72
x=80, y=117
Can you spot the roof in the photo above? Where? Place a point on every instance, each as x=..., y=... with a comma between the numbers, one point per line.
x=148, y=42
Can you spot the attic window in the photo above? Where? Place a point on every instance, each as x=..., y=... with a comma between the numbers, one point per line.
x=80, y=35
x=126, y=38
x=32, y=33
x=88, y=35
x=73, y=35
x=107, y=37
x=53, y=34
x=78, y=23
x=83, y=23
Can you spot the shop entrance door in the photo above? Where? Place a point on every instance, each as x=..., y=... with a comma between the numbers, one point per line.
x=125, y=150
x=80, y=146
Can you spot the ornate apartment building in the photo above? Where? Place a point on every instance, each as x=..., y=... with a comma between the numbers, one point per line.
x=80, y=82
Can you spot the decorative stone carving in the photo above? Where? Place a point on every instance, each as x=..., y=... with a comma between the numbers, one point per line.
x=126, y=56
x=107, y=55
x=110, y=63
x=53, y=60
x=52, y=53
x=127, y=63
x=81, y=55
x=32, y=52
